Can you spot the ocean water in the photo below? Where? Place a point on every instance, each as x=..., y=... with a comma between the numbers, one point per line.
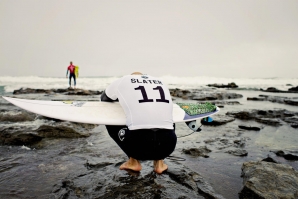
x=9, y=84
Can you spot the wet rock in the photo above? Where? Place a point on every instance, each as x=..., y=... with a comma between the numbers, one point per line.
x=222, y=102
x=272, y=89
x=219, y=120
x=293, y=121
x=275, y=90
x=68, y=91
x=59, y=131
x=203, y=95
x=249, y=128
x=255, y=99
x=16, y=116
x=212, y=140
x=269, y=121
x=229, y=85
x=184, y=94
x=18, y=136
x=216, y=96
x=271, y=117
x=239, y=143
x=277, y=99
x=243, y=115
x=270, y=159
x=110, y=182
x=83, y=92
x=268, y=180
x=287, y=156
x=201, y=151
x=237, y=152
x=295, y=89
x=293, y=102
x=223, y=144
x=28, y=90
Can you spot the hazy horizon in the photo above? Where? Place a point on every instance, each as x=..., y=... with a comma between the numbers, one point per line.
x=231, y=38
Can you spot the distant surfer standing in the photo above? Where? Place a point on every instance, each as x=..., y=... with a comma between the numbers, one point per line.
x=149, y=133
x=71, y=68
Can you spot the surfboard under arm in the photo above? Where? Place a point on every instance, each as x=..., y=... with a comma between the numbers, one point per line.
x=92, y=112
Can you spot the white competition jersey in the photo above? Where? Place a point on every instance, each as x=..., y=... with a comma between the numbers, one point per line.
x=146, y=101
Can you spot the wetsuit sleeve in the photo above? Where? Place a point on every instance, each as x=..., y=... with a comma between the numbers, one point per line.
x=105, y=98
x=67, y=71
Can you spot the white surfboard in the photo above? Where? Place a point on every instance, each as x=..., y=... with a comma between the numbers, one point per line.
x=108, y=113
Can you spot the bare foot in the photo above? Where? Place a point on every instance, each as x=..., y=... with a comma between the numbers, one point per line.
x=159, y=166
x=131, y=164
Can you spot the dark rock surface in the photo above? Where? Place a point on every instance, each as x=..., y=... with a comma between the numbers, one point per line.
x=268, y=180
x=68, y=91
x=237, y=152
x=269, y=159
x=184, y=94
x=255, y=99
x=287, y=156
x=275, y=99
x=18, y=136
x=104, y=180
x=218, y=120
x=216, y=96
x=203, y=95
x=275, y=90
x=222, y=102
x=270, y=117
x=269, y=121
x=226, y=143
x=201, y=151
x=249, y=128
x=16, y=116
x=293, y=102
x=295, y=89
x=30, y=135
x=59, y=131
x=229, y=85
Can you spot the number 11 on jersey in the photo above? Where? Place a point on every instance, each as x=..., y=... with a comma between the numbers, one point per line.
x=145, y=96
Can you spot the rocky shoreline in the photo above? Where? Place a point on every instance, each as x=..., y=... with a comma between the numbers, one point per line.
x=72, y=160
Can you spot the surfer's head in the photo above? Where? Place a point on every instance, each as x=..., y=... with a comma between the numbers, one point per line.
x=136, y=73
x=71, y=63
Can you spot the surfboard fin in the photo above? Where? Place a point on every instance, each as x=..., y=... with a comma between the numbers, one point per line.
x=207, y=121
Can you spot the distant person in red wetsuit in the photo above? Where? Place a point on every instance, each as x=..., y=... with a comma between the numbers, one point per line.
x=71, y=68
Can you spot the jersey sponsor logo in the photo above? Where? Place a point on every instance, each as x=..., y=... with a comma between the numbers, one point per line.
x=148, y=81
x=121, y=134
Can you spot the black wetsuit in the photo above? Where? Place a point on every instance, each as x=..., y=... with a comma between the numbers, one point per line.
x=143, y=144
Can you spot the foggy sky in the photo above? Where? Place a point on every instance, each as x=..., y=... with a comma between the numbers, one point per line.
x=220, y=38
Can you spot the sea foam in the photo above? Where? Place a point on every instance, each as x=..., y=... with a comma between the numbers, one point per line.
x=100, y=83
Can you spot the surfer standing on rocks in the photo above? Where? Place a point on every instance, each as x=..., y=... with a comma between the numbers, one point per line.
x=149, y=133
x=71, y=68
